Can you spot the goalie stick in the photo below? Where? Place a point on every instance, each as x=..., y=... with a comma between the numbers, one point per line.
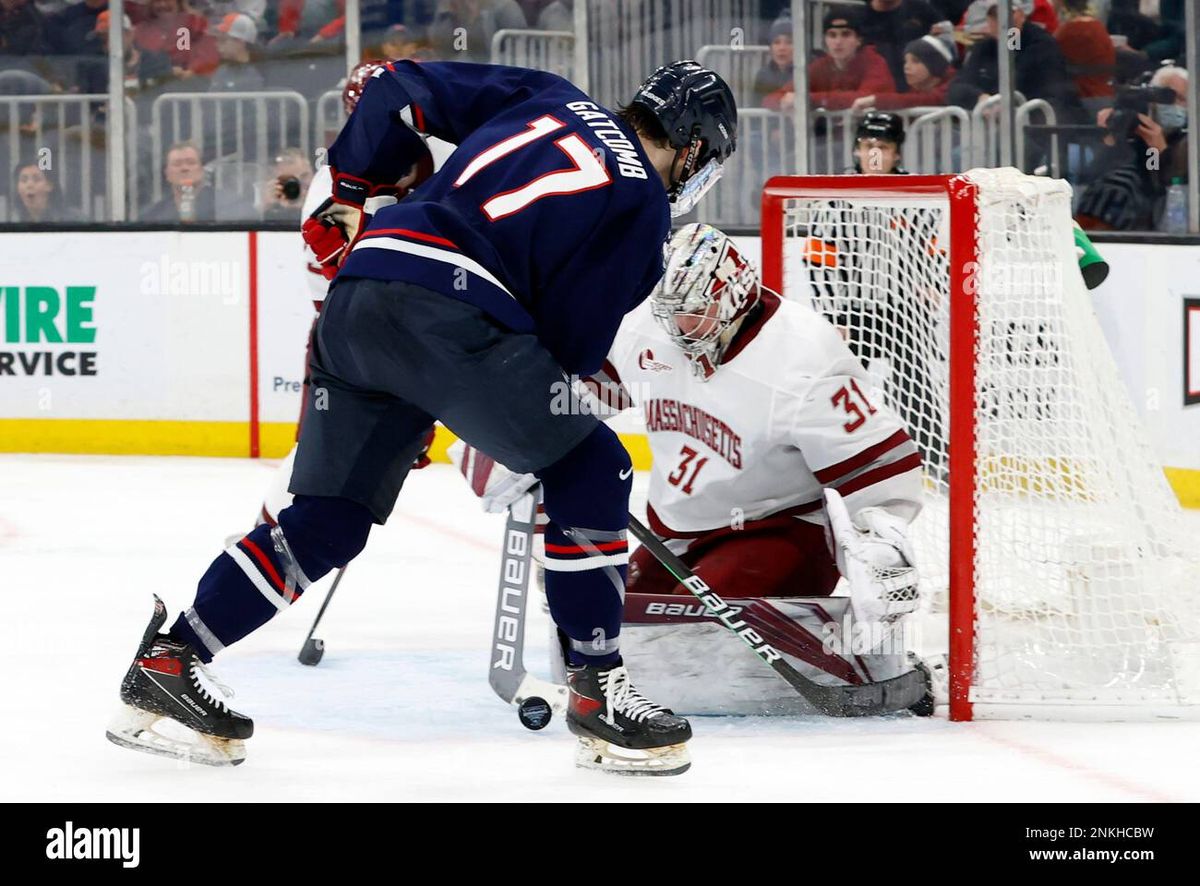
x=862, y=700
x=506, y=672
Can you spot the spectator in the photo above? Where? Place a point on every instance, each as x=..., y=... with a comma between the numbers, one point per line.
x=401, y=42
x=773, y=84
x=877, y=144
x=1088, y=49
x=142, y=69
x=973, y=23
x=22, y=29
x=69, y=30
x=1129, y=194
x=890, y=25
x=180, y=33
x=190, y=199
x=927, y=73
x=559, y=15
x=848, y=69
x=1040, y=69
x=38, y=200
x=462, y=30
x=283, y=193
x=236, y=73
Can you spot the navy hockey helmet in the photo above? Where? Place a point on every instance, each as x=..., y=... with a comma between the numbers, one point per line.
x=697, y=111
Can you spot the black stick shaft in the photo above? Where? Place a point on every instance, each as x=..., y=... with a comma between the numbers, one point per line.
x=337, y=579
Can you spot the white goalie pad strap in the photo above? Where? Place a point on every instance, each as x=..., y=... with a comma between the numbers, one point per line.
x=875, y=557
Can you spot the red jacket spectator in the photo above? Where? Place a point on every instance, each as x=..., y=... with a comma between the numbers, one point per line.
x=865, y=74
x=848, y=69
x=1089, y=51
x=165, y=31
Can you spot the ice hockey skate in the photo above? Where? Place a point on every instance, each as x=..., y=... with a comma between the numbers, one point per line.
x=172, y=705
x=620, y=730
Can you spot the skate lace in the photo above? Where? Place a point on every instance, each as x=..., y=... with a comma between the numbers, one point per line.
x=209, y=686
x=623, y=697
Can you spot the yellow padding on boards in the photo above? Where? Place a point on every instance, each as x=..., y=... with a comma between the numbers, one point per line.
x=97, y=436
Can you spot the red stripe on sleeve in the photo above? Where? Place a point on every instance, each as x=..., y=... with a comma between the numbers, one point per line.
x=825, y=476
x=870, y=478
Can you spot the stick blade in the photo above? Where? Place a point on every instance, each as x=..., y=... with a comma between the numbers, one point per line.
x=312, y=652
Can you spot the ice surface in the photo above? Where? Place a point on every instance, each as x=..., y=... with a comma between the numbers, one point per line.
x=400, y=709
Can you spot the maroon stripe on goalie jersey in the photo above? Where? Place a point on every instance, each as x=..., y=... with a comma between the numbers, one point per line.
x=826, y=476
x=878, y=475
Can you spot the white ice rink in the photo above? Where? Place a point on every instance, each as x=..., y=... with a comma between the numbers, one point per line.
x=400, y=708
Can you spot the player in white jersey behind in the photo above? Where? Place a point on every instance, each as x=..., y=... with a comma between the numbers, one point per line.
x=765, y=434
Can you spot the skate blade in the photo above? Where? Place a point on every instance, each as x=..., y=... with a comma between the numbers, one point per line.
x=143, y=731
x=595, y=753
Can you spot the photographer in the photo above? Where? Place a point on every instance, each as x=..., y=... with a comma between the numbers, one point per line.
x=1146, y=148
x=282, y=195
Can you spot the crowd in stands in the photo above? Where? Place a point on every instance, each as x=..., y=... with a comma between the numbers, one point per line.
x=1080, y=56
x=60, y=48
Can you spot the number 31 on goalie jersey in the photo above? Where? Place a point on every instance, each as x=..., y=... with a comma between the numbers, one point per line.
x=588, y=170
x=850, y=402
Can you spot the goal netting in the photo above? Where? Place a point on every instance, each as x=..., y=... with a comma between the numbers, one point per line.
x=1052, y=549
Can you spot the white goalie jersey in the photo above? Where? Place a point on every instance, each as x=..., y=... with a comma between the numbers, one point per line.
x=789, y=412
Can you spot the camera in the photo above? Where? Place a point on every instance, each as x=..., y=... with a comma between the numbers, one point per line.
x=1134, y=100
x=291, y=188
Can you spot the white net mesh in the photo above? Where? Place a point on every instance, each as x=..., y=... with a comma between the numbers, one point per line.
x=1087, y=594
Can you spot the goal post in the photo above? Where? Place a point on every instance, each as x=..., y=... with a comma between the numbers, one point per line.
x=1051, y=549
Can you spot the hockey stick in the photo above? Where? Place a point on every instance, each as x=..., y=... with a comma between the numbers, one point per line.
x=313, y=649
x=863, y=700
x=506, y=674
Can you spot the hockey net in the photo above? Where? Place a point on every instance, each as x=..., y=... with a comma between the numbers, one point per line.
x=1053, y=557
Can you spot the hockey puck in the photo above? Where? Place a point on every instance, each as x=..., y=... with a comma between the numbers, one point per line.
x=535, y=713
x=312, y=652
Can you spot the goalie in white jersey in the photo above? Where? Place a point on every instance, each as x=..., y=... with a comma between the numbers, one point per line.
x=754, y=407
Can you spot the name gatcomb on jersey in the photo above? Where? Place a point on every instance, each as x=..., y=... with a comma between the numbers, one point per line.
x=789, y=411
x=548, y=216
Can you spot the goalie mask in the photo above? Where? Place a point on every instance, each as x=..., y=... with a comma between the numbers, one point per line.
x=706, y=291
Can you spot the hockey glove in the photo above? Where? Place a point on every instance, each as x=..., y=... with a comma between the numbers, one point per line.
x=496, y=485
x=875, y=557
x=331, y=231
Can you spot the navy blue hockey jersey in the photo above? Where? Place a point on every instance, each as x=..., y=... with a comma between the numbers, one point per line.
x=548, y=215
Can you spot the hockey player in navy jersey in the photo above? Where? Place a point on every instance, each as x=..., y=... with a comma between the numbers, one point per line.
x=467, y=302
